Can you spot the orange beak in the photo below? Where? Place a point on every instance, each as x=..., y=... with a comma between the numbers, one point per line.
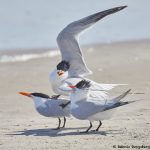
x=60, y=73
x=72, y=86
x=25, y=94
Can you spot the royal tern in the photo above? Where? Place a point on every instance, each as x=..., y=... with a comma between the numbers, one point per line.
x=73, y=64
x=86, y=105
x=49, y=107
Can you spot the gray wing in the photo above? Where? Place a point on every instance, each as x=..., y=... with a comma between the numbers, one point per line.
x=54, y=108
x=87, y=109
x=57, y=101
x=68, y=41
x=90, y=107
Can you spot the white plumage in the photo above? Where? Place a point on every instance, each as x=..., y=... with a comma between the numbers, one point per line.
x=70, y=51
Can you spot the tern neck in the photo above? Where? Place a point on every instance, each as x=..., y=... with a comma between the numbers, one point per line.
x=39, y=102
x=79, y=95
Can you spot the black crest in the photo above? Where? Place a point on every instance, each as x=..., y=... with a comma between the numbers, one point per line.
x=83, y=84
x=63, y=65
x=40, y=95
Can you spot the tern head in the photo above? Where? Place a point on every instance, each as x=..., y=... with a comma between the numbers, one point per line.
x=38, y=98
x=62, y=68
x=80, y=90
x=84, y=84
x=34, y=95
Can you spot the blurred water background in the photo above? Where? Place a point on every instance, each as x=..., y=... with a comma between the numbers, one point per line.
x=34, y=24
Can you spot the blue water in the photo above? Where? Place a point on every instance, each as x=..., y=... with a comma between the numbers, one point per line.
x=36, y=23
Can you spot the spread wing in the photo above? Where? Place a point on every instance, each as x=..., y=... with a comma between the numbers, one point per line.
x=68, y=41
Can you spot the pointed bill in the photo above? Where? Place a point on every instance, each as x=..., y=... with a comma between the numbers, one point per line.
x=25, y=94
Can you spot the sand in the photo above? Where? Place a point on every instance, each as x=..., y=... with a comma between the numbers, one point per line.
x=21, y=127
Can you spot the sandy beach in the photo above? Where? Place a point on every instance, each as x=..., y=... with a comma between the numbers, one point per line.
x=22, y=128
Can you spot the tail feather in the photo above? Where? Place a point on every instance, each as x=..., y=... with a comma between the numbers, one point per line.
x=120, y=97
x=118, y=105
x=115, y=102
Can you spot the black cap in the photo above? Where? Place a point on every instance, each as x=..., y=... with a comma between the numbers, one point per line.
x=63, y=65
x=41, y=95
x=83, y=84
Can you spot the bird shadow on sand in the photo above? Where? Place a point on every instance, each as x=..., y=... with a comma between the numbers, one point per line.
x=58, y=133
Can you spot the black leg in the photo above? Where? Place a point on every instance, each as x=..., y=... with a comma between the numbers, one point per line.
x=64, y=122
x=58, y=124
x=88, y=128
x=100, y=123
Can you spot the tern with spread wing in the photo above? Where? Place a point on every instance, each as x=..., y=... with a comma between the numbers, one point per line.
x=93, y=105
x=50, y=106
x=73, y=66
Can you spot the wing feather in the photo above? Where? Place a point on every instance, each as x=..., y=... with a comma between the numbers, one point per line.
x=68, y=41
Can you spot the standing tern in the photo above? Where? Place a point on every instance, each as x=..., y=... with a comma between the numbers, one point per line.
x=73, y=65
x=50, y=107
x=86, y=105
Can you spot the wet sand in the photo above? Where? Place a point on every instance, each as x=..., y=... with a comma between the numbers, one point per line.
x=21, y=127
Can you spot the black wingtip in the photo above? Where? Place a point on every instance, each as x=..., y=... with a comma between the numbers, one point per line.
x=111, y=11
x=116, y=9
x=128, y=91
x=122, y=7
